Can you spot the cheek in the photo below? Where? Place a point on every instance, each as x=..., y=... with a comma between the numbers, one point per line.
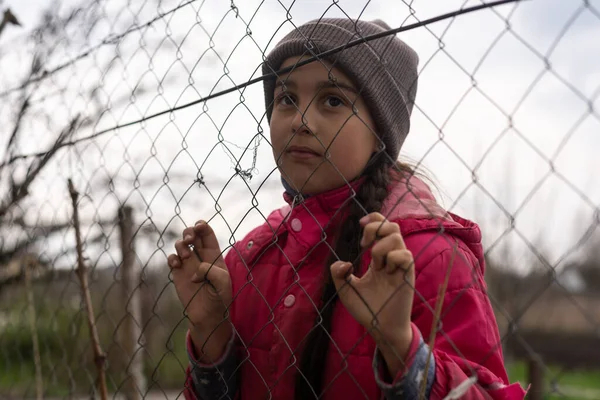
x=276, y=136
x=352, y=149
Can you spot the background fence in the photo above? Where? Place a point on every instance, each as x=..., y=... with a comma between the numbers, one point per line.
x=112, y=96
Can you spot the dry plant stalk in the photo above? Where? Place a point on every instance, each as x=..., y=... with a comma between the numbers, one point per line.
x=99, y=355
x=435, y=323
x=37, y=360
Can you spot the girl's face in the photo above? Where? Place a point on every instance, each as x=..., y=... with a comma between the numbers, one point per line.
x=321, y=132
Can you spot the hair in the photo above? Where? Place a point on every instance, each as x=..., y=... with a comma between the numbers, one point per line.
x=369, y=197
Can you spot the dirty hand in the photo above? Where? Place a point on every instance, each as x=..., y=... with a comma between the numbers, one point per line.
x=381, y=300
x=202, y=282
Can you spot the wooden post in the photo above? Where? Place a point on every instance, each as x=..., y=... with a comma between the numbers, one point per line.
x=37, y=359
x=535, y=372
x=135, y=387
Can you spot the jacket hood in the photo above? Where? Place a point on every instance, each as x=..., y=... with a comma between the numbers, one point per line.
x=410, y=203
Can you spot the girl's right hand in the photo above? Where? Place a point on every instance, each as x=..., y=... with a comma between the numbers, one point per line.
x=202, y=282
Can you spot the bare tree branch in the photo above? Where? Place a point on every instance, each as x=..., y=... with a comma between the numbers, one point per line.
x=8, y=19
x=20, y=191
x=22, y=110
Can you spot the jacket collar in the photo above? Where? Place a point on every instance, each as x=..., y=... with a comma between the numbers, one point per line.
x=313, y=220
x=407, y=198
x=332, y=200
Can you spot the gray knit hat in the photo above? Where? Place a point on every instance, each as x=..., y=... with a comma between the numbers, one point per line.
x=384, y=70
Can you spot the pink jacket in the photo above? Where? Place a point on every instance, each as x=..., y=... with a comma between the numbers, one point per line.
x=276, y=272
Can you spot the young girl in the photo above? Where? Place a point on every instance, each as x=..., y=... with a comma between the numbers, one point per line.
x=335, y=295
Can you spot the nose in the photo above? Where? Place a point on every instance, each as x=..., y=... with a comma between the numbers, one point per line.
x=301, y=123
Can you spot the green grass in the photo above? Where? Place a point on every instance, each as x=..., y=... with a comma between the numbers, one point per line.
x=66, y=352
x=61, y=378
x=569, y=382
x=15, y=380
x=20, y=382
x=167, y=372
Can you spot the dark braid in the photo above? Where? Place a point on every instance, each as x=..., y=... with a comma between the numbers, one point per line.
x=370, y=197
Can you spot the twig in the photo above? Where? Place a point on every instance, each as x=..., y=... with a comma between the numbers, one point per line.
x=8, y=18
x=436, y=319
x=99, y=355
x=20, y=115
x=19, y=192
x=32, y=236
x=37, y=360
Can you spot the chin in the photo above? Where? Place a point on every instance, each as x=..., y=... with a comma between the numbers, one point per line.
x=302, y=186
x=299, y=183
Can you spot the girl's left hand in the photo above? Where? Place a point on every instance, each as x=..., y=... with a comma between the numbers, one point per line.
x=381, y=300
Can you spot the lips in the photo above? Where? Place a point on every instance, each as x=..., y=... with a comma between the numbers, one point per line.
x=302, y=151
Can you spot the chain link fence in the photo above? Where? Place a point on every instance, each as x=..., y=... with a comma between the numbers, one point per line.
x=125, y=122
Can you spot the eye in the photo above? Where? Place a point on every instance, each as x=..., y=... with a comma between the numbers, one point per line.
x=334, y=101
x=284, y=99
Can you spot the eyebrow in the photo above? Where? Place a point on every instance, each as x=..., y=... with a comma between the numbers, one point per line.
x=321, y=85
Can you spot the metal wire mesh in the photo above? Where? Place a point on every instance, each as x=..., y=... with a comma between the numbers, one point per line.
x=154, y=111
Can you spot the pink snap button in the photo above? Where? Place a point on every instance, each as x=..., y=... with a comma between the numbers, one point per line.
x=296, y=225
x=289, y=300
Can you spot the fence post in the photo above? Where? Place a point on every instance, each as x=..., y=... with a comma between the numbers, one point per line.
x=535, y=376
x=135, y=385
x=27, y=267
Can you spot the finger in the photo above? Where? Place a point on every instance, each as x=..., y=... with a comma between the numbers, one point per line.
x=341, y=274
x=400, y=260
x=372, y=217
x=376, y=230
x=340, y=270
x=207, y=235
x=188, y=235
x=190, y=238
x=379, y=252
x=174, y=261
x=195, y=240
x=207, y=272
x=183, y=251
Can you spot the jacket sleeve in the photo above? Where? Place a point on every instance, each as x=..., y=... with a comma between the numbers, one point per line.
x=220, y=379
x=214, y=381
x=419, y=369
x=467, y=350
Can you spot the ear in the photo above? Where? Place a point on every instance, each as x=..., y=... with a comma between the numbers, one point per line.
x=378, y=146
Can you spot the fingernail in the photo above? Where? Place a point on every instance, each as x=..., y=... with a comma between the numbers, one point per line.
x=195, y=277
x=337, y=268
x=187, y=237
x=364, y=220
x=349, y=270
x=174, y=263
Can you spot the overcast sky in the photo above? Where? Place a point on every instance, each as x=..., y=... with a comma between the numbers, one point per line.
x=530, y=86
